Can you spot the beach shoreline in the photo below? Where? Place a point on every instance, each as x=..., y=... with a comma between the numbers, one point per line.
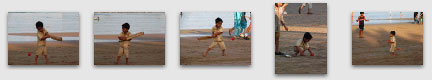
x=374, y=50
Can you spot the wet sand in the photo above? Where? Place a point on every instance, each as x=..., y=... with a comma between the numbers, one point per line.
x=373, y=49
x=141, y=51
x=59, y=53
x=238, y=52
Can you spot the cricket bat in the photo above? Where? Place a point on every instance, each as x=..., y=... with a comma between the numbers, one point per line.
x=135, y=35
x=56, y=38
x=204, y=38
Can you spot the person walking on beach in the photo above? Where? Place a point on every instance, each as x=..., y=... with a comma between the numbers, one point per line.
x=361, y=20
x=392, y=43
x=279, y=20
x=42, y=35
x=304, y=5
x=217, y=37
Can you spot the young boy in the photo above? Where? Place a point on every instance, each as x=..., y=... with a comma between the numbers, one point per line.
x=42, y=35
x=279, y=20
x=361, y=20
x=392, y=42
x=124, y=43
x=217, y=37
x=303, y=44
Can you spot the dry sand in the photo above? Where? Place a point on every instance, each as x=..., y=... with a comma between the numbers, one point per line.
x=141, y=51
x=59, y=53
x=238, y=52
x=373, y=49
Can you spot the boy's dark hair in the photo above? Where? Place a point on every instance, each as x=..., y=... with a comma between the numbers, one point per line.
x=361, y=12
x=126, y=25
x=393, y=32
x=307, y=35
x=39, y=24
x=218, y=20
x=276, y=4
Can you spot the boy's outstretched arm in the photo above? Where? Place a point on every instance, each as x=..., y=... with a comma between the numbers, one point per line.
x=284, y=5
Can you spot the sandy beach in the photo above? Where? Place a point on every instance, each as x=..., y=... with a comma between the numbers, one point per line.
x=298, y=24
x=191, y=50
x=148, y=49
x=373, y=49
x=303, y=64
x=59, y=53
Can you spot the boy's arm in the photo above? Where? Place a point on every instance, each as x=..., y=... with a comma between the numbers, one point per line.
x=135, y=35
x=45, y=36
x=284, y=5
x=310, y=51
x=218, y=33
x=358, y=18
x=282, y=21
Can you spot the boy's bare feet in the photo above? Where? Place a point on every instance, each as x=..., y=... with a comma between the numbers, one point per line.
x=118, y=59
x=127, y=60
x=46, y=59
x=36, y=59
x=205, y=54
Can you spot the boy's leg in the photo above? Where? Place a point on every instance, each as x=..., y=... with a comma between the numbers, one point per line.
x=120, y=53
x=277, y=34
x=126, y=52
x=39, y=51
x=208, y=49
x=310, y=8
x=301, y=51
x=45, y=52
x=36, y=58
x=301, y=7
x=361, y=34
x=222, y=46
x=296, y=51
x=392, y=49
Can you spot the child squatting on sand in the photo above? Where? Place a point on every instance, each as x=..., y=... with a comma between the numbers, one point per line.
x=303, y=44
x=217, y=37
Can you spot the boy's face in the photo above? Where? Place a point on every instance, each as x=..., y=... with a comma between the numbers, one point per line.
x=219, y=24
x=306, y=40
x=391, y=35
x=362, y=14
x=125, y=29
x=39, y=29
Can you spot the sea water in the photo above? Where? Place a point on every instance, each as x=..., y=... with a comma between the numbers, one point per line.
x=54, y=22
x=111, y=22
x=385, y=17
